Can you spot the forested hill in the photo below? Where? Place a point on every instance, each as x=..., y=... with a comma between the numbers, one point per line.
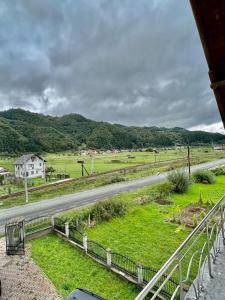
x=23, y=131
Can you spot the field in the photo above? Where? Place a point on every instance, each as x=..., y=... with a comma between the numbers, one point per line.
x=67, y=163
x=135, y=235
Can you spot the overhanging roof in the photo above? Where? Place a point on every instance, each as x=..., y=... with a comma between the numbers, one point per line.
x=210, y=19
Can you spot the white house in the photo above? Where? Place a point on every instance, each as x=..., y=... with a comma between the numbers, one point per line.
x=30, y=166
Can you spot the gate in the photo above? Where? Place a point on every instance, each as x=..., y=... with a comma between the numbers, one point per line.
x=14, y=234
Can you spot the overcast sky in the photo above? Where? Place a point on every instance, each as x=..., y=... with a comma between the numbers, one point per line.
x=130, y=62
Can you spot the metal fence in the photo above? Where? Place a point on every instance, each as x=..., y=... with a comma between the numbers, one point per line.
x=128, y=268
x=97, y=250
x=192, y=261
x=124, y=264
x=37, y=224
x=59, y=224
x=76, y=236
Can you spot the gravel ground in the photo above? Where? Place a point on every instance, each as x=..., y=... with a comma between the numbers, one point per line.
x=22, y=279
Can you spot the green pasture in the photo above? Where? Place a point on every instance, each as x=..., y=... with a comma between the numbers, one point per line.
x=68, y=268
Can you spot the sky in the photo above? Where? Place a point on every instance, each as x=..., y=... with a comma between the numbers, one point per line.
x=129, y=62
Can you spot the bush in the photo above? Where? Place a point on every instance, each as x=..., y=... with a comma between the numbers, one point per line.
x=204, y=176
x=179, y=181
x=218, y=171
x=113, y=179
x=164, y=189
x=106, y=210
x=101, y=211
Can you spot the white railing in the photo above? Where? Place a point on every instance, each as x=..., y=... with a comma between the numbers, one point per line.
x=193, y=259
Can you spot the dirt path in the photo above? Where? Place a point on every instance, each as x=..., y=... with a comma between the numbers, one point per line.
x=22, y=279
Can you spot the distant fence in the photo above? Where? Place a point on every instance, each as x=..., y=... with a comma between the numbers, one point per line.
x=119, y=263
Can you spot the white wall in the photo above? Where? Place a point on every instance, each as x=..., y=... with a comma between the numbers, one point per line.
x=33, y=168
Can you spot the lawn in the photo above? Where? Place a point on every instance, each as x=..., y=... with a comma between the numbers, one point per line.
x=137, y=233
x=68, y=268
x=144, y=234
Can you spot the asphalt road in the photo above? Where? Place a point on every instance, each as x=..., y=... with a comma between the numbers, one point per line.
x=55, y=205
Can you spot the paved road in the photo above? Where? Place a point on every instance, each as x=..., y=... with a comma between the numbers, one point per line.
x=53, y=206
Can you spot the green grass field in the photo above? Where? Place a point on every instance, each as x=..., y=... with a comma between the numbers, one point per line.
x=137, y=234
x=68, y=268
x=143, y=234
x=67, y=163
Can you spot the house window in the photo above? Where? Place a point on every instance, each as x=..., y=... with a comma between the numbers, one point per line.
x=40, y=164
x=32, y=172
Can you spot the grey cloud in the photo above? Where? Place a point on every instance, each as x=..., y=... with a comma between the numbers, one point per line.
x=131, y=62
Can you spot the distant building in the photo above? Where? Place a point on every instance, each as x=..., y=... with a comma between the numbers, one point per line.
x=30, y=166
x=5, y=173
x=218, y=147
x=89, y=152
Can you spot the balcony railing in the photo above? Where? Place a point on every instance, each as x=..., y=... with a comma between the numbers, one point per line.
x=193, y=260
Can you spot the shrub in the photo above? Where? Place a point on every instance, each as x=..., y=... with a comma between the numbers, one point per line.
x=101, y=211
x=218, y=171
x=164, y=189
x=113, y=179
x=106, y=210
x=179, y=181
x=204, y=176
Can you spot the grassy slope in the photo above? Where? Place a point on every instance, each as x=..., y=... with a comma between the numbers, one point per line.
x=68, y=268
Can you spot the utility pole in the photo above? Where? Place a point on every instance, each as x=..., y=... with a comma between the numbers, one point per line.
x=81, y=162
x=25, y=186
x=189, y=163
x=92, y=165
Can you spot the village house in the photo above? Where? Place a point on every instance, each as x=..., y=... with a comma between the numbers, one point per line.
x=5, y=173
x=30, y=166
x=88, y=152
x=218, y=147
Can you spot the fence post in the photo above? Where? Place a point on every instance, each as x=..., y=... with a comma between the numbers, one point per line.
x=89, y=220
x=222, y=223
x=109, y=257
x=139, y=273
x=53, y=221
x=208, y=251
x=180, y=280
x=67, y=229
x=85, y=243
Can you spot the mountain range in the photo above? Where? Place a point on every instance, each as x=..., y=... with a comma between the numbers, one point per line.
x=24, y=131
